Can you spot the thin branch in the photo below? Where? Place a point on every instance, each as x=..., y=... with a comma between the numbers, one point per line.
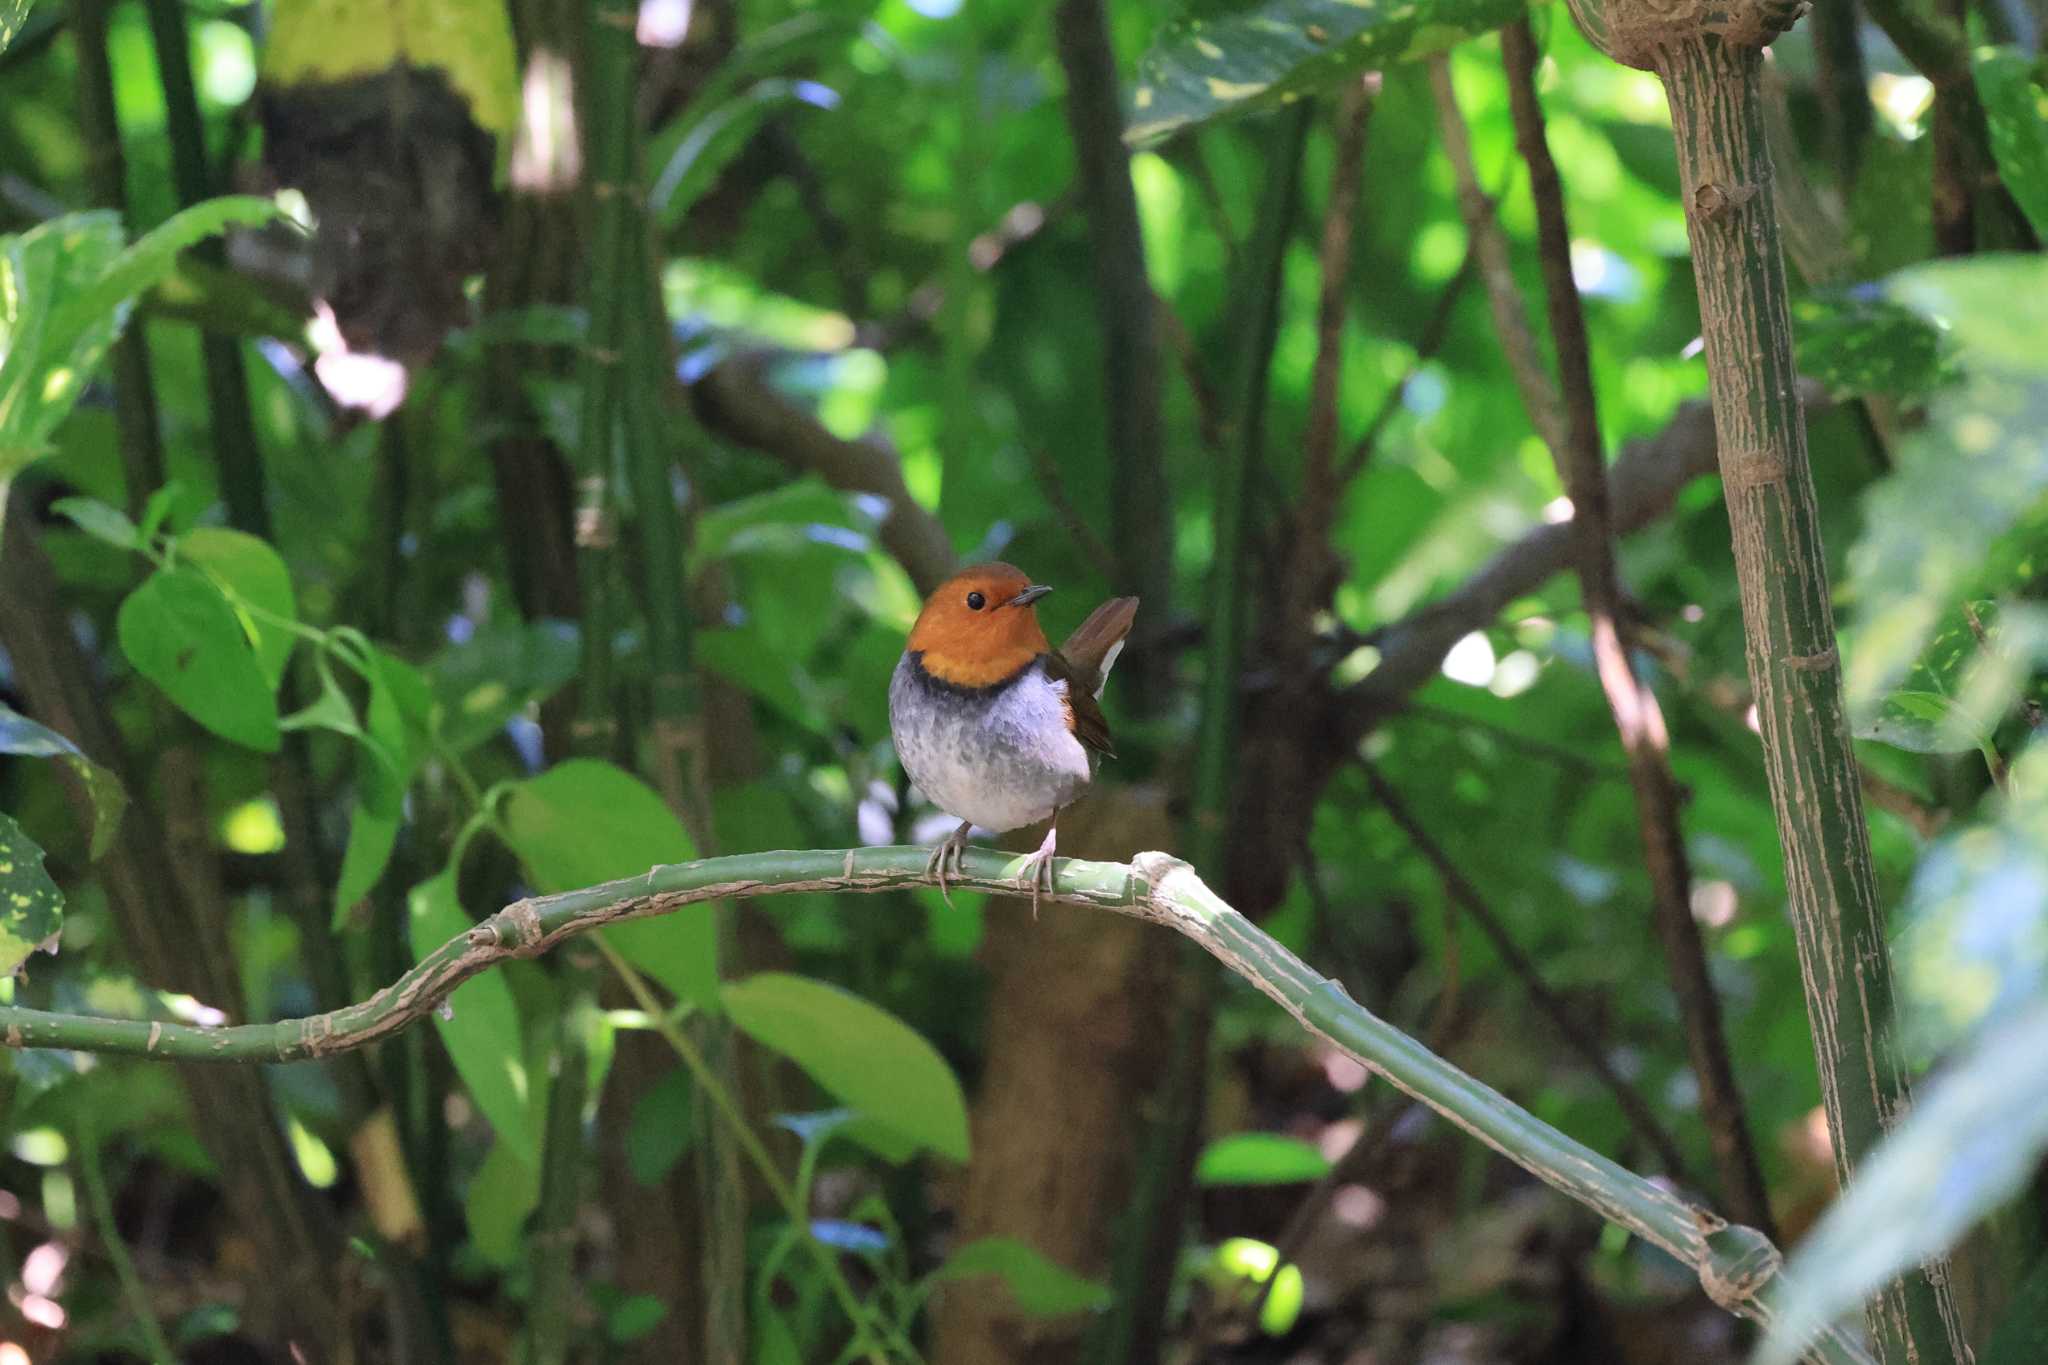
x=1637, y=717
x=737, y=401
x=1496, y=269
x=1738, y=1267
x=1427, y=345
x=1459, y=888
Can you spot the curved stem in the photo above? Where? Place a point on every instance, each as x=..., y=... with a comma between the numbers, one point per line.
x=1737, y=1265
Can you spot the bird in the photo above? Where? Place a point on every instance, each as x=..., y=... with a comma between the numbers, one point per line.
x=995, y=726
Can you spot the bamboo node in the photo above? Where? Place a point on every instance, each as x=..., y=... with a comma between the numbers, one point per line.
x=1736, y=1270
x=1814, y=663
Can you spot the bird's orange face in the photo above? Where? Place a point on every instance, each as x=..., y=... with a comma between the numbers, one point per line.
x=980, y=627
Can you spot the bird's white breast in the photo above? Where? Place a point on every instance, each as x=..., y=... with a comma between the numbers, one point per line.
x=1001, y=757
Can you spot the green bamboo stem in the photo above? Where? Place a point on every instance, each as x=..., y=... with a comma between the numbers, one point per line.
x=1737, y=1265
x=1710, y=57
x=551, y=1319
x=227, y=383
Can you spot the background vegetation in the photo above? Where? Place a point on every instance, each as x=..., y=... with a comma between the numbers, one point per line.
x=455, y=450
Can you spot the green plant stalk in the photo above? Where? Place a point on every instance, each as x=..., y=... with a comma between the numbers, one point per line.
x=92, y=1174
x=227, y=383
x=708, y=1080
x=142, y=449
x=1738, y=1266
x=1709, y=56
x=551, y=1248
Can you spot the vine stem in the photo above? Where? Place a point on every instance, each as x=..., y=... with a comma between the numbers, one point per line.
x=707, y=1080
x=92, y=1174
x=1738, y=1266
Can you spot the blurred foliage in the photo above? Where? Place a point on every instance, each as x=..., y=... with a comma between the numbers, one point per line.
x=358, y=740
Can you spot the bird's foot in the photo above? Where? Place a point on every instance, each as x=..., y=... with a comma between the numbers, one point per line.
x=946, y=857
x=1037, y=869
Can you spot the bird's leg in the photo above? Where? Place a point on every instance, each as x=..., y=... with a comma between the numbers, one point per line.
x=949, y=853
x=1038, y=866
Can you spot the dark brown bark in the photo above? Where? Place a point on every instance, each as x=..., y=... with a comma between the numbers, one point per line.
x=1637, y=717
x=178, y=943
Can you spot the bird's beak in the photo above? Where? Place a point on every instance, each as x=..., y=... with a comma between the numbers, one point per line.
x=1028, y=596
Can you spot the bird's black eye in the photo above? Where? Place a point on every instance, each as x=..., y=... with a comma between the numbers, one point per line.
x=975, y=601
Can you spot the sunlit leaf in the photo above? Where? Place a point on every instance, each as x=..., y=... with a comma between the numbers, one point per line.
x=2015, y=95
x=1223, y=57
x=859, y=1053
x=180, y=633
x=259, y=585
x=31, y=906
x=584, y=822
x=1860, y=342
x=1259, y=1159
x=1041, y=1287
x=480, y=1027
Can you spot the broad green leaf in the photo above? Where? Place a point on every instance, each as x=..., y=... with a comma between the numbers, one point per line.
x=99, y=521
x=1042, y=1287
x=1971, y=1141
x=154, y=255
x=1259, y=1159
x=485, y=681
x=258, y=585
x=1857, y=342
x=861, y=1055
x=1226, y=57
x=43, y=369
x=1969, y=484
x=661, y=1128
x=480, y=1027
x=1250, y=1263
x=20, y=735
x=717, y=135
x=180, y=633
x=1921, y=723
x=12, y=14
x=2015, y=95
x=504, y=1190
x=787, y=518
x=584, y=822
x=31, y=906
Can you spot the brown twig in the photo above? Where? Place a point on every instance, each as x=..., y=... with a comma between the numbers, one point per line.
x=1633, y=705
x=1496, y=268
x=1634, y=1107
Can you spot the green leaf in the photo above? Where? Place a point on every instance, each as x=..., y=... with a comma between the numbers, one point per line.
x=584, y=822
x=1920, y=723
x=1970, y=1141
x=1043, y=1288
x=1969, y=483
x=31, y=906
x=100, y=521
x=20, y=735
x=384, y=770
x=12, y=13
x=1229, y=57
x=504, y=1190
x=155, y=254
x=2009, y=81
x=44, y=369
x=180, y=633
x=485, y=681
x=714, y=138
x=1858, y=343
x=1259, y=1159
x=257, y=584
x=661, y=1128
x=480, y=1027
x=470, y=42
x=862, y=1055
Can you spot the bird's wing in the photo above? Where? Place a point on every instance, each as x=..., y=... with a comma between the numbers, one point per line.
x=1092, y=648
x=1084, y=713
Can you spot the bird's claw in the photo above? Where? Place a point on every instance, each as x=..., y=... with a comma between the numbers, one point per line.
x=947, y=856
x=1037, y=871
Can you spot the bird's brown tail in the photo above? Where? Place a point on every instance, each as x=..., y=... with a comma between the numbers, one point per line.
x=1092, y=649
